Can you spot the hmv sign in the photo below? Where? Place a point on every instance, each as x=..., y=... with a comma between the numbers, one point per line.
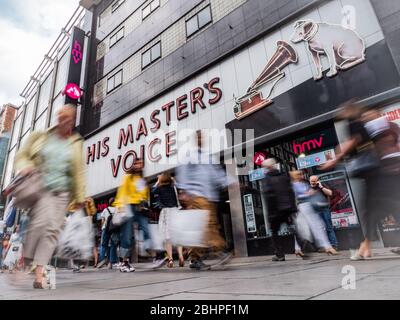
x=75, y=65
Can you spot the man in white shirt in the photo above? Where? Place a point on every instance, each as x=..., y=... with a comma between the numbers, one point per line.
x=107, y=252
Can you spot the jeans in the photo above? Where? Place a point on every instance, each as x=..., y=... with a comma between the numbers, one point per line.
x=325, y=214
x=276, y=239
x=108, y=248
x=126, y=231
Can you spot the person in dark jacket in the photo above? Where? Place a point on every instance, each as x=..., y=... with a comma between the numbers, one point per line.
x=281, y=203
x=167, y=200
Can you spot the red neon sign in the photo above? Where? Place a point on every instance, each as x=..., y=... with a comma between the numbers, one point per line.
x=77, y=53
x=73, y=91
x=259, y=157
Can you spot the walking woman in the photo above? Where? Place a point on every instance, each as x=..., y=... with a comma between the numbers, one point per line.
x=372, y=134
x=167, y=200
x=57, y=155
x=303, y=193
x=132, y=195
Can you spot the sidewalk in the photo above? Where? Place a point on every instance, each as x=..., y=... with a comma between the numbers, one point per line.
x=243, y=278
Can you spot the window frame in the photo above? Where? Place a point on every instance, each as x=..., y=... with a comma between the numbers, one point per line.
x=117, y=39
x=196, y=16
x=151, y=58
x=149, y=6
x=116, y=4
x=113, y=77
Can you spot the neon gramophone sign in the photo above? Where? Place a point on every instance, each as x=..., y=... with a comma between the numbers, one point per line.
x=343, y=47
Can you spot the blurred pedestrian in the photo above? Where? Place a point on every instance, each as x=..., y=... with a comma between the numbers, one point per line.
x=281, y=203
x=57, y=155
x=167, y=200
x=373, y=147
x=133, y=196
x=314, y=221
x=108, y=248
x=323, y=208
x=200, y=182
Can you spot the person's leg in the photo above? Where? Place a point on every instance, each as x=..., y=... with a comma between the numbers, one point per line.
x=276, y=243
x=113, y=250
x=143, y=224
x=126, y=243
x=326, y=216
x=181, y=257
x=105, y=238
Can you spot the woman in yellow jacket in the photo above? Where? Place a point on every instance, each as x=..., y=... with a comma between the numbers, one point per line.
x=132, y=195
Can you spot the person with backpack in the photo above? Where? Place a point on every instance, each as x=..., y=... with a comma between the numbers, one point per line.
x=108, y=248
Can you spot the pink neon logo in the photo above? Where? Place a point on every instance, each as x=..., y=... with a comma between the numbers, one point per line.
x=73, y=91
x=307, y=145
x=259, y=157
x=77, y=52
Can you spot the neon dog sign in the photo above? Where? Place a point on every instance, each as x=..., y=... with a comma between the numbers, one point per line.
x=77, y=53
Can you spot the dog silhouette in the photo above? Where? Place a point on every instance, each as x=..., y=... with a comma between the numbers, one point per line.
x=343, y=47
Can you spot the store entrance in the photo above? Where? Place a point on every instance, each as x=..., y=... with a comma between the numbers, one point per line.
x=306, y=151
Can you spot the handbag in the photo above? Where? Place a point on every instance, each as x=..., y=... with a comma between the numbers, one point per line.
x=27, y=190
x=121, y=216
x=362, y=163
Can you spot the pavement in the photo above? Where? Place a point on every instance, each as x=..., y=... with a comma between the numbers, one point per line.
x=251, y=278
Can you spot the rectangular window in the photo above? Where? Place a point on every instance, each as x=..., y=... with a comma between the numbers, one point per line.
x=199, y=21
x=116, y=5
x=151, y=55
x=116, y=37
x=147, y=10
x=114, y=81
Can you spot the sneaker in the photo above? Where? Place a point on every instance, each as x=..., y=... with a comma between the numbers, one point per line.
x=127, y=268
x=396, y=251
x=76, y=269
x=199, y=265
x=101, y=264
x=276, y=258
x=158, y=263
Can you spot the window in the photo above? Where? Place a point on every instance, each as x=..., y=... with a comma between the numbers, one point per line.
x=151, y=55
x=116, y=37
x=147, y=10
x=116, y=5
x=200, y=20
x=114, y=82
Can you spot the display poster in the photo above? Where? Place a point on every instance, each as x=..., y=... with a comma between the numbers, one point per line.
x=315, y=159
x=249, y=213
x=341, y=202
x=257, y=174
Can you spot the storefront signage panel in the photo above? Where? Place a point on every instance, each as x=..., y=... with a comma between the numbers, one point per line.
x=249, y=213
x=257, y=174
x=315, y=159
x=392, y=113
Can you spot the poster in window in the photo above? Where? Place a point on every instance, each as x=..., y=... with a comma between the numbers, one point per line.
x=249, y=213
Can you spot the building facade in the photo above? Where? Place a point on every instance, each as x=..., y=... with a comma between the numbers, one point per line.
x=281, y=69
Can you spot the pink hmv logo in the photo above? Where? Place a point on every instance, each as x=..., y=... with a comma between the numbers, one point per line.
x=77, y=54
x=307, y=145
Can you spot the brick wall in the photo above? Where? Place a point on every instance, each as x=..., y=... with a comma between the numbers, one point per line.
x=8, y=114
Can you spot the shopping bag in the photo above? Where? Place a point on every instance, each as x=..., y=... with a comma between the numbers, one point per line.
x=27, y=190
x=157, y=239
x=121, y=216
x=77, y=238
x=14, y=254
x=188, y=227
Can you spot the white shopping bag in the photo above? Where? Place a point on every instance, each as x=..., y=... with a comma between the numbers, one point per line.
x=14, y=254
x=187, y=227
x=77, y=239
x=157, y=239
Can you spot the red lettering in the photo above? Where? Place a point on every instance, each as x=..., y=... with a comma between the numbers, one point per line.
x=169, y=142
x=156, y=121
x=115, y=166
x=90, y=153
x=216, y=91
x=319, y=142
x=105, y=146
x=150, y=155
x=124, y=137
x=307, y=145
x=98, y=150
x=196, y=98
x=142, y=129
x=127, y=155
x=167, y=109
x=181, y=105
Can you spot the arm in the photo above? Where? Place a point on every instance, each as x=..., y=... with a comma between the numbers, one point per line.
x=341, y=151
x=326, y=191
x=78, y=173
x=23, y=159
x=121, y=193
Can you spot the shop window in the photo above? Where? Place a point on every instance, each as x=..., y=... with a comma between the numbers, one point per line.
x=117, y=36
x=199, y=21
x=151, y=55
x=152, y=6
x=114, y=81
x=116, y=5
